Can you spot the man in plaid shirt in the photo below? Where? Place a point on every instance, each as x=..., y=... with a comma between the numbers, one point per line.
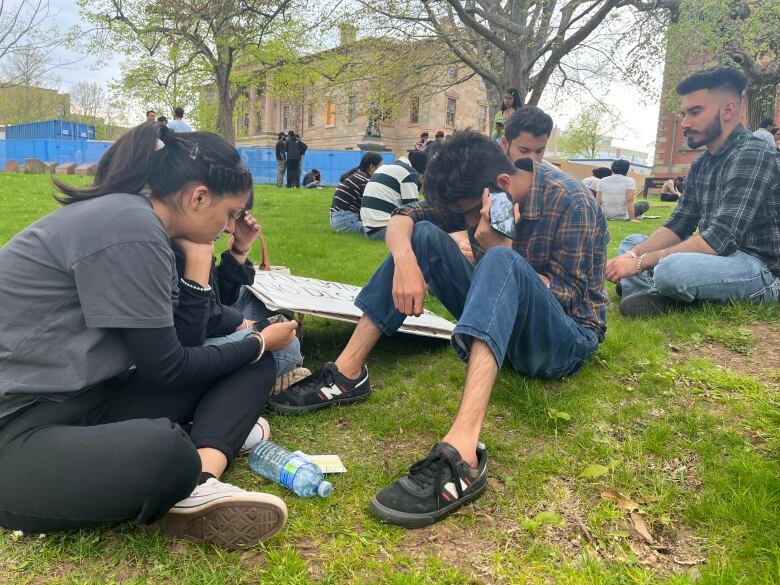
x=732, y=196
x=538, y=301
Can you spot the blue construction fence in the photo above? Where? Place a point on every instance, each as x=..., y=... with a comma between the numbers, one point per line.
x=262, y=161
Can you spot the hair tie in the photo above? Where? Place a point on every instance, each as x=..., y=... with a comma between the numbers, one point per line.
x=166, y=135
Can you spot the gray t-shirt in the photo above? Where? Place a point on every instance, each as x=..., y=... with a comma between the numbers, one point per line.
x=68, y=283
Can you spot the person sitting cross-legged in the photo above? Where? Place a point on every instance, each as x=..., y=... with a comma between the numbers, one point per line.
x=732, y=197
x=538, y=302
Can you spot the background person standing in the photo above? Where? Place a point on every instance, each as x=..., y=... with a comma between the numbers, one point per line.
x=281, y=160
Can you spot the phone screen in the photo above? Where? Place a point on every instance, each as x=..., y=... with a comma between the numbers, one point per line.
x=502, y=215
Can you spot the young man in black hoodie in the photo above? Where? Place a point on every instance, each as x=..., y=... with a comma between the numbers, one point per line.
x=295, y=149
x=281, y=160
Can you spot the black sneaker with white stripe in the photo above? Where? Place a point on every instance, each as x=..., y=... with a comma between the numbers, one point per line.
x=434, y=488
x=325, y=387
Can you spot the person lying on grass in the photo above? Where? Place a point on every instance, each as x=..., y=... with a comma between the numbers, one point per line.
x=89, y=291
x=732, y=197
x=538, y=302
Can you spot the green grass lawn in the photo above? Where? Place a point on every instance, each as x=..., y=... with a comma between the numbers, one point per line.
x=678, y=414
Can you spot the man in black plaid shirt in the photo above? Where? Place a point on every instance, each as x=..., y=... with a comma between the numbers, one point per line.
x=732, y=197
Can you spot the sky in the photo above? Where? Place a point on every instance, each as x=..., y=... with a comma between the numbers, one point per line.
x=638, y=121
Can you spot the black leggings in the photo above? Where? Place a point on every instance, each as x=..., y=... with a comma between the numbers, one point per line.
x=116, y=452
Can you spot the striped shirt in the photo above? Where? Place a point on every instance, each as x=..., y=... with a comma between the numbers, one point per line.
x=349, y=193
x=733, y=198
x=562, y=234
x=391, y=186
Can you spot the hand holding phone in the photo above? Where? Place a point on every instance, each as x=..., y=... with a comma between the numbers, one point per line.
x=502, y=214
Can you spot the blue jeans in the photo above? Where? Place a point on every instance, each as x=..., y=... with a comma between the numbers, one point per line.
x=346, y=221
x=379, y=234
x=501, y=302
x=688, y=276
x=253, y=309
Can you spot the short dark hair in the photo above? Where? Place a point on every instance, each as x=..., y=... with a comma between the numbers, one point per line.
x=178, y=112
x=528, y=119
x=419, y=160
x=281, y=135
x=621, y=166
x=728, y=78
x=766, y=122
x=601, y=172
x=424, y=134
x=150, y=112
x=463, y=166
x=368, y=159
x=162, y=119
x=291, y=133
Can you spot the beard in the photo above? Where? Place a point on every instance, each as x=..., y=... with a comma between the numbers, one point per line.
x=710, y=133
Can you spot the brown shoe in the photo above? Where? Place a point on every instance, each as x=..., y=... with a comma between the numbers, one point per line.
x=294, y=376
x=225, y=515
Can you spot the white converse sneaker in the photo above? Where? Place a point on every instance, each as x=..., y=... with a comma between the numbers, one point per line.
x=259, y=433
x=226, y=515
x=286, y=380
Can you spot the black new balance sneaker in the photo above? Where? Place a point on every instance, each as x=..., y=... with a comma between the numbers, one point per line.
x=435, y=487
x=324, y=388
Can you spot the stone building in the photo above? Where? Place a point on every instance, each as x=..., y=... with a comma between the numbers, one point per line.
x=334, y=116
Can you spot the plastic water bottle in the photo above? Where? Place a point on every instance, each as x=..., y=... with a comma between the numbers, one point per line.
x=288, y=469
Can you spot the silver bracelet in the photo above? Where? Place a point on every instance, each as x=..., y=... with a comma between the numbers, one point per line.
x=194, y=286
x=262, y=348
x=639, y=263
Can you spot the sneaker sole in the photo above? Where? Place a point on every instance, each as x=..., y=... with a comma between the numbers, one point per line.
x=408, y=520
x=230, y=522
x=288, y=409
x=643, y=306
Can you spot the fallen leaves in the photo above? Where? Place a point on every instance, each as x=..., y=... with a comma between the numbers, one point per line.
x=620, y=500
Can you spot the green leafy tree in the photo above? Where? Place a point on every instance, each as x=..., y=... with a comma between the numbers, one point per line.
x=226, y=36
x=587, y=132
x=742, y=33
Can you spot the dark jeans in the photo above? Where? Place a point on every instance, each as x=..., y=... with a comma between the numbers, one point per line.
x=293, y=173
x=116, y=452
x=640, y=208
x=501, y=302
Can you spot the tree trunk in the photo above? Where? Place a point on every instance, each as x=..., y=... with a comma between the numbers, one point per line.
x=761, y=101
x=515, y=75
x=225, y=104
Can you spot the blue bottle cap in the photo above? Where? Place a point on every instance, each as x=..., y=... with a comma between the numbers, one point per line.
x=324, y=489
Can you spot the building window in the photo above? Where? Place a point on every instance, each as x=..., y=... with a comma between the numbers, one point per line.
x=285, y=118
x=330, y=114
x=451, y=103
x=481, y=117
x=414, y=110
x=352, y=110
x=311, y=115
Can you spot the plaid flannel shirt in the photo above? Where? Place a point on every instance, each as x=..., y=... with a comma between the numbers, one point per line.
x=562, y=234
x=733, y=198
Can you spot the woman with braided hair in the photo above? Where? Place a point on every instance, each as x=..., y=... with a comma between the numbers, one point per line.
x=93, y=394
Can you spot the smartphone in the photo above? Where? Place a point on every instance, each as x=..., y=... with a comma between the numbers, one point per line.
x=502, y=214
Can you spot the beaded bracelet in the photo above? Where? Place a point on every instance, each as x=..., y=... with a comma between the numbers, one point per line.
x=188, y=284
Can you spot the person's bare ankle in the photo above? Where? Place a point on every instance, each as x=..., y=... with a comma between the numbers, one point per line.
x=467, y=453
x=349, y=370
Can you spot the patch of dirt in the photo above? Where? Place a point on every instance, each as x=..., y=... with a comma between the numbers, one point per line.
x=764, y=361
x=460, y=547
x=666, y=550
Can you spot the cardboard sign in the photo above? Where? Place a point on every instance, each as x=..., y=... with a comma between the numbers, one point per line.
x=332, y=300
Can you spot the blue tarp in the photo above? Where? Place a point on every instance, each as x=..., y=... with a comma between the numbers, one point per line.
x=262, y=161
